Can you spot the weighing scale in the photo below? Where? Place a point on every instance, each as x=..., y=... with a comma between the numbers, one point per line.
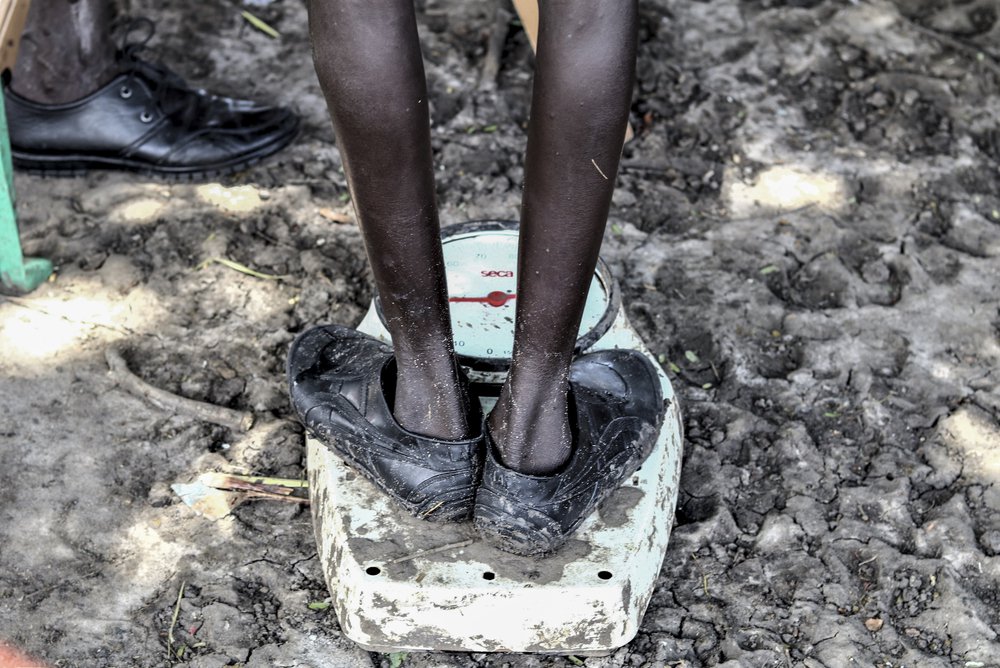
x=399, y=583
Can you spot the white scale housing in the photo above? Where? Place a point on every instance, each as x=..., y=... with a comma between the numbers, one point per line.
x=399, y=583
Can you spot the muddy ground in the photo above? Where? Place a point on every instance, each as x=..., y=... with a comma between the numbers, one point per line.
x=806, y=228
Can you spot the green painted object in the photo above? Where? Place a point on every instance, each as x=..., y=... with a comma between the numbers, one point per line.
x=18, y=274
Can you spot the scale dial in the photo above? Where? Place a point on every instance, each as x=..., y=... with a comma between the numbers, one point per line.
x=480, y=261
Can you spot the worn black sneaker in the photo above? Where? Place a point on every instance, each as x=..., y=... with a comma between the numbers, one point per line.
x=339, y=380
x=147, y=119
x=616, y=407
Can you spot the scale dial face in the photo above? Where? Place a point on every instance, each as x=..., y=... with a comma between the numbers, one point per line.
x=481, y=265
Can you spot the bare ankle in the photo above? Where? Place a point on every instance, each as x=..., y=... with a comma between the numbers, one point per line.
x=532, y=434
x=432, y=404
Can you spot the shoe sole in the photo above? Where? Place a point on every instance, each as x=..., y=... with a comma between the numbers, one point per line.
x=80, y=165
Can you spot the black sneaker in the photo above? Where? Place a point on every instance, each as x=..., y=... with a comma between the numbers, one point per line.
x=339, y=380
x=616, y=404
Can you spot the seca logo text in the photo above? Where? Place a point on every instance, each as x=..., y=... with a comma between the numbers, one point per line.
x=493, y=273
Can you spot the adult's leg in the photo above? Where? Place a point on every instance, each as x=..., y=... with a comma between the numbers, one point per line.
x=368, y=59
x=579, y=111
x=67, y=51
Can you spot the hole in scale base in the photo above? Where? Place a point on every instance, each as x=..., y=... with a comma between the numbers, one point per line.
x=489, y=575
x=373, y=570
x=604, y=575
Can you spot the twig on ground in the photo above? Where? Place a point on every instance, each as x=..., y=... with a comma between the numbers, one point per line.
x=277, y=489
x=226, y=417
x=253, y=482
x=242, y=268
x=333, y=216
x=976, y=53
x=61, y=583
x=215, y=495
x=260, y=24
x=270, y=496
x=173, y=621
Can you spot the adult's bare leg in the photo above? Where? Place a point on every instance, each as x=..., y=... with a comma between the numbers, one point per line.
x=579, y=111
x=67, y=51
x=368, y=59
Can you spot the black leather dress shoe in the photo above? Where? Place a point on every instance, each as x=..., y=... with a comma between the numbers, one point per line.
x=146, y=120
x=338, y=382
x=618, y=403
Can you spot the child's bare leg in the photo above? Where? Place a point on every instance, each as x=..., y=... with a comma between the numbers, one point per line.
x=579, y=111
x=369, y=64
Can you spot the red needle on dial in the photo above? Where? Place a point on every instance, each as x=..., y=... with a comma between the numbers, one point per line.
x=495, y=298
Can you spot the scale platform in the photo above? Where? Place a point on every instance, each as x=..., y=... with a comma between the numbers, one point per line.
x=399, y=583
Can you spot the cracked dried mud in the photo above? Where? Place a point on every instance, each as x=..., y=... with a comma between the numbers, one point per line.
x=807, y=232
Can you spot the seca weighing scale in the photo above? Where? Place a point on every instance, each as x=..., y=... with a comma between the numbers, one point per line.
x=400, y=583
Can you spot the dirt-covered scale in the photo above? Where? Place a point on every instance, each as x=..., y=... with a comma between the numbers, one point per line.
x=402, y=583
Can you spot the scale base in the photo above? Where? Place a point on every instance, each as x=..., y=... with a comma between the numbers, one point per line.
x=399, y=583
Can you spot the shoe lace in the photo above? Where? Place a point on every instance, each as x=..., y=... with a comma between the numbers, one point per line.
x=171, y=93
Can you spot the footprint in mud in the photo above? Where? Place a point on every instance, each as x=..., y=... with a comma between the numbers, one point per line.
x=822, y=90
x=881, y=281
x=778, y=356
x=692, y=509
x=678, y=287
x=903, y=114
x=852, y=276
x=697, y=499
x=822, y=283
